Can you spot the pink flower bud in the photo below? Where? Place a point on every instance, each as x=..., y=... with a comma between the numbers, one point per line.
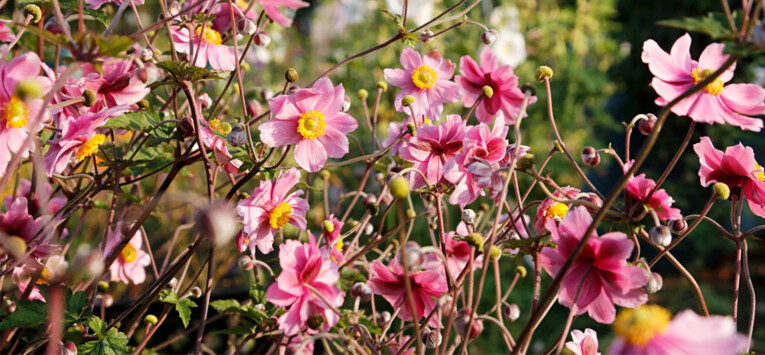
x=590, y=156
x=646, y=125
x=461, y=323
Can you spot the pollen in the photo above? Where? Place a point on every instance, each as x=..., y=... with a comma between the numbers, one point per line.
x=311, y=124
x=209, y=35
x=759, y=174
x=280, y=215
x=557, y=210
x=638, y=326
x=220, y=127
x=44, y=277
x=16, y=112
x=90, y=147
x=129, y=253
x=715, y=87
x=424, y=77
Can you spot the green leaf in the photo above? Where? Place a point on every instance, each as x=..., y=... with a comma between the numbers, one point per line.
x=185, y=71
x=28, y=314
x=76, y=310
x=714, y=24
x=111, y=342
x=184, y=307
x=225, y=305
x=136, y=121
x=97, y=325
x=348, y=277
x=98, y=15
x=257, y=294
x=168, y=297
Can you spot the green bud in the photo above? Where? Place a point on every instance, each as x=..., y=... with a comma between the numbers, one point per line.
x=28, y=89
x=410, y=213
x=329, y=226
x=722, y=190
x=373, y=209
x=315, y=321
x=382, y=85
x=411, y=129
x=362, y=94
x=475, y=240
x=487, y=91
x=143, y=104
x=325, y=174
x=291, y=75
x=543, y=72
x=352, y=222
x=558, y=146
x=103, y=286
x=484, y=206
x=520, y=269
x=495, y=252
x=399, y=187
x=34, y=11
x=150, y=319
x=407, y=100
x=15, y=246
x=245, y=66
x=526, y=162
x=90, y=98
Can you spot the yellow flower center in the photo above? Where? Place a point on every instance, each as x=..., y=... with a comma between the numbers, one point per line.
x=243, y=4
x=638, y=326
x=311, y=124
x=44, y=277
x=715, y=87
x=280, y=215
x=16, y=113
x=558, y=209
x=90, y=147
x=220, y=127
x=209, y=35
x=758, y=172
x=424, y=77
x=129, y=253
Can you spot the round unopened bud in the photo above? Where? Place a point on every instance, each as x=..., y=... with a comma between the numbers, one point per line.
x=185, y=128
x=150, y=319
x=69, y=348
x=90, y=98
x=253, y=108
x=543, y=72
x=352, y=222
x=33, y=11
x=291, y=75
x=475, y=239
x=53, y=26
x=511, y=312
x=529, y=88
x=173, y=283
x=315, y=321
x=655, y=282
x=484, y=206
x=237, y=136
x=204, y=100
x=245, y=263
x=722, y=190
x=373, y=208
x=678, y=226
x=590, y=156
x=362, y=291
x=143, y=75
x=647, y=124
x=468, y=216
x=526, y=162
x=346, y=103
x=487, y=91
x=411, y=129
x=103, y=286
x=432, y=339
x=399, y=187
x=382, y=85
x=414, y=256
x=407, y=100
x=246, y=26
x=28, y=89
x=410, y=213
x=660, y=235
x=143, y=104
x=196, y=292
x=9, y=306
x=146, y=55
x=329, y=227
x=489, y=37
x=362, y=94
x=383, y=318
x=495, y=252
x=15, y=246
x=462, y=321
x=262, y=39
x=521, y=270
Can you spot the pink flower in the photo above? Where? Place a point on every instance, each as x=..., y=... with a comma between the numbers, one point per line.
x=211, y=140
x=638, y=187
x=334, y=242
x=79, y=138
x=21, y=277
x=16, y=221
x=312, y=120
x=676, y=72
x=306, y=271
x=551, y=209
x=433, y=146
x=5, y=32
x=583, y=343
x=735, y=168
x=95, y=4
x=427, y=79
x=115, y=83
x=18, y=117
x=272, y=9
x=270, y=208
x=211, y=50
x=222, y=12
x=457, y=254
x=601, y=269
x=507, y=96
x=473, y=170
x=42, y=195
x=648, y=330
x=427, y=284
x=130, y=265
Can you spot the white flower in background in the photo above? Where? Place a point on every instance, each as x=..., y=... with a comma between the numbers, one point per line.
x=419, y=11
x=510, y=48
x=332, y=18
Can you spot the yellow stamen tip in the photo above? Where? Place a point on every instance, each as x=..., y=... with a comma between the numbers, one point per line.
x=557, y=209
x=210, y=35
x=91, y=146
x=424, y=77
x=16, y=113
x=129, y=253
x=715, y=87
x=640, y=325
x=311, y=124
x=280, y=215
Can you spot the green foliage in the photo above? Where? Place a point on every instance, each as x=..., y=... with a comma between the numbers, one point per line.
x=181, y=71
x=28, y=314
x=97, y=15
x=110, y=342
x=348, y=277
x=183, y=305
x=714, y=24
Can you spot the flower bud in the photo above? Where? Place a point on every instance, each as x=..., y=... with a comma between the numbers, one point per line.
x=521, y=270
x=28, y=89
x=654, y=284
x=590, y=156
x=143, y=104
x=174, y=8
x=262, y=39
x=678, y=226
x=69, y=349
x=173, y=283
x=196, y=292
x=487, y=91
x=15, y=246
x=495, y=253
x=399, y=187
x=204, y=100
x=329, y=227
x=185, y=128
x=53, y=26
x=414, y=256
x=383, y=318
x=245, y=263
x=660, y=235
x=315, y=321
x=475, y=240
x=246, y=26
x=362, y=94
x=407, y=100
x=346, y=103
x=150, y=319
x=411, y=129
x=373, y=208
x=526, y=162
x=33, y=11
x=489, y=37
x=291, y=75
x=237, y=136
x=382, y=85
x=646, y=125
x=253, y=108
x=410, y=213
x=722, y=190
x=543, y=72
x=90, y=98
x=146, y=55
x=103, y=286
x=462, y=321
x=362, y=291
x=511, y=312
x=261, y=307
x=432, y=339
x=529, y=88
x=468, y=216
